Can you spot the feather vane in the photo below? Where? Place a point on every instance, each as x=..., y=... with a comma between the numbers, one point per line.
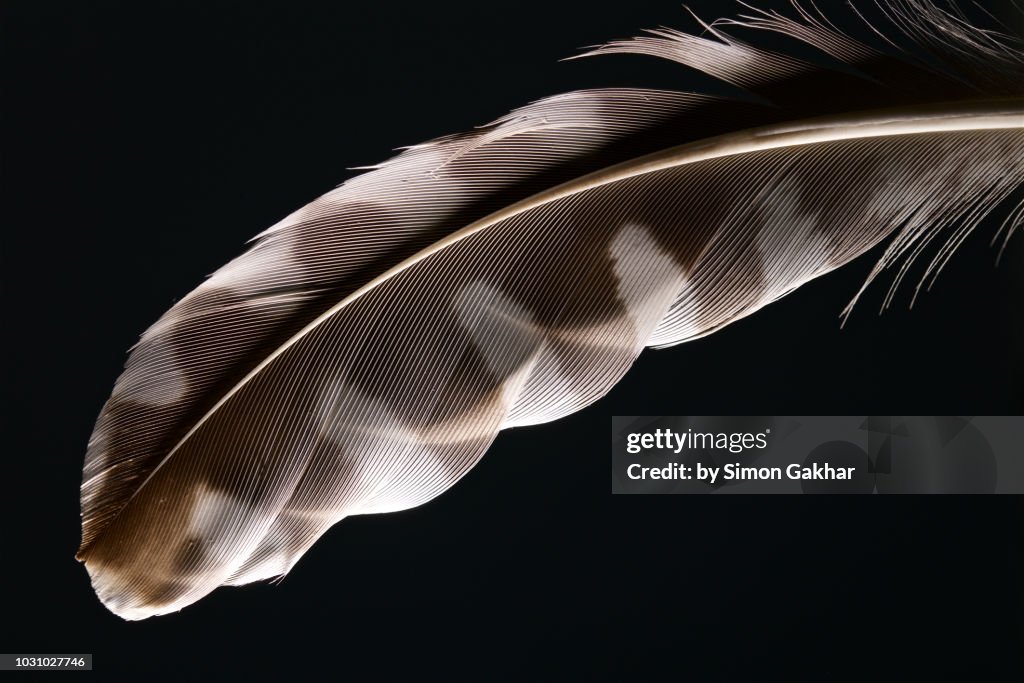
x=364, y=353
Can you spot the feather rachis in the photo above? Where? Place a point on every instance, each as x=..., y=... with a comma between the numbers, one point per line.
x=1001, y=116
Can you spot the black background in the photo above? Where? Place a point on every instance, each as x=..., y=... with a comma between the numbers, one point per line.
x=145, y=142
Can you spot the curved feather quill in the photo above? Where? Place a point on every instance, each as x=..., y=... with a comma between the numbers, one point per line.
x=365, y=352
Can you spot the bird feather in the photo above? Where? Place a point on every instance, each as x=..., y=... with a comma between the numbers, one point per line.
x=364, y=353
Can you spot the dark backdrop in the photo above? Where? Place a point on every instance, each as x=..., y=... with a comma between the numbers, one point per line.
x=145, y=142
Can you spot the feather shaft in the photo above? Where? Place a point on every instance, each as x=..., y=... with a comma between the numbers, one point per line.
x=1001, y=115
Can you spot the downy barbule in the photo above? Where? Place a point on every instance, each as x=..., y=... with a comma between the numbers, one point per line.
x=363, y=354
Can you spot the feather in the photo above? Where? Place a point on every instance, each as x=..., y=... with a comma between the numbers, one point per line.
x=364, y=353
